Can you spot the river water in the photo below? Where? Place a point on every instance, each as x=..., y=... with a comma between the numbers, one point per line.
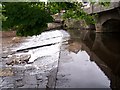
x=90, y=60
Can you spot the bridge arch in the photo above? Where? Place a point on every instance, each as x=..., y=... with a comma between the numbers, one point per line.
x=105, y=50
x=108, y=21
x=111, y=25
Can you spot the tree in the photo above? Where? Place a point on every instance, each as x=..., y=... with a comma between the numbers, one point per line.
x=75, y=10
x=31, y=18
x=28, y=18
x=2, y=17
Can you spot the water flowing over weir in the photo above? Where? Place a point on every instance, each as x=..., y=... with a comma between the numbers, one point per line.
x=44, y=51
x=46, y=44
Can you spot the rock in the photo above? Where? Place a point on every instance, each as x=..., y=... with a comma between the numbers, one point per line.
x=25, y=58
x=15, y=59
x=6, y=54
x=39, y=77
x=7, y=86
x=29, y=68
x=30, y=79
x=6, y=72
x=76, y=24
x=19, y=83
x=16, y=39
x=54, y=26
x=19, y=72
x=18, y=77
x=1, y=79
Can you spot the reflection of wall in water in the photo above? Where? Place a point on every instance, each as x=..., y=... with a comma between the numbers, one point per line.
x=105, y=46
x=107, y=49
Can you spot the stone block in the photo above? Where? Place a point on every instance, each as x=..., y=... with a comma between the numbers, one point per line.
x=30, y=79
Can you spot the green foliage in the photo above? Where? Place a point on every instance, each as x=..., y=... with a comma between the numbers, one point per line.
x=27, y=17
x=2, y=17
x=31, y=18
x=78, y=13
x=74, y=10
x=105, y=4
x=56, y=7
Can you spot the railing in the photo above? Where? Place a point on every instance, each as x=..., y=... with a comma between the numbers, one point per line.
x=96, y=8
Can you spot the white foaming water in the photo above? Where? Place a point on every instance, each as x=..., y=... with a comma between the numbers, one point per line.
x=50, y=37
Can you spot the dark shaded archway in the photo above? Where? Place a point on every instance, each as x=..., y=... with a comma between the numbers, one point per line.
x=111, y=25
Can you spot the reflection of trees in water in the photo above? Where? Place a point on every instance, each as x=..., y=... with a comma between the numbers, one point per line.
x=74, y=33
x=106, y=47
x=74, y=47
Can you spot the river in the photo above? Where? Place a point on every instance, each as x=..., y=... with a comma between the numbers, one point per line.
x=90, y=60
x=65, y=59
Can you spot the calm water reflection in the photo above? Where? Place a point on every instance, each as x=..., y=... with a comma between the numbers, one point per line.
x=103, y=49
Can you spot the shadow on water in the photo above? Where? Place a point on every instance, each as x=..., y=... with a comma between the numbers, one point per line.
x=103, y=49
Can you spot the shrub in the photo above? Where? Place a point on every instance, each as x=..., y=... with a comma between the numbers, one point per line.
x=26, y=17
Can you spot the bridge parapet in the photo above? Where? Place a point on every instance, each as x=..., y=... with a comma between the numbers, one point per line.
x=108, y=18
x=96, y=8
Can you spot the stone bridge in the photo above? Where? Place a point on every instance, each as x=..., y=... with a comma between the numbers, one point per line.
x=108, y=18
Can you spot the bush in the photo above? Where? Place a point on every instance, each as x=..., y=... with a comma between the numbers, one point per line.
x=28, y=18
